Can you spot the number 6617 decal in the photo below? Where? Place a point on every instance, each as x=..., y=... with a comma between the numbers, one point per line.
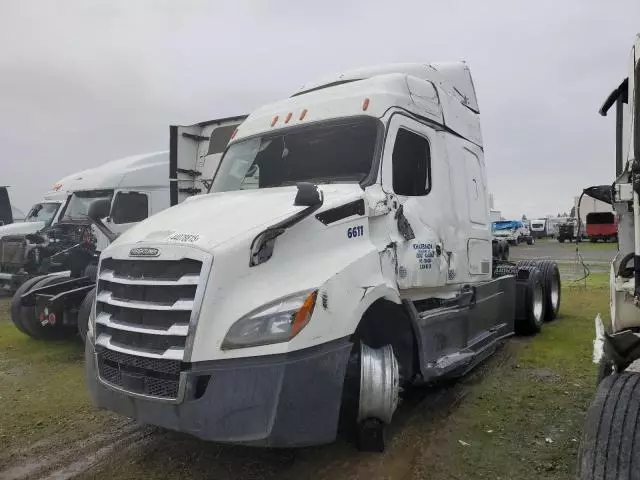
x=356, y=231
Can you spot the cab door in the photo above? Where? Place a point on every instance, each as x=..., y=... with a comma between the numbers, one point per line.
x=415, y=177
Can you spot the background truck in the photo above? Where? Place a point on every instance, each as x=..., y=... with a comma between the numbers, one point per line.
x=56, y=265
x=568, y=231
x=512, y=231
x=610, y=446
x=344, y=252
x=16, y=256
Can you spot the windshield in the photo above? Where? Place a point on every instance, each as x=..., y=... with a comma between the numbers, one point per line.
x=42, y=212
x=327, y=153
x=78, y=205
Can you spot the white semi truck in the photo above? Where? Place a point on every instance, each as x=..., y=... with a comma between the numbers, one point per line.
x=344, y=252
x=610, y=446
x=52, y=261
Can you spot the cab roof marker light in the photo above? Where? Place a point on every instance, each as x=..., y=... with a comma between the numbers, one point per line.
x=274, y=121
x=288, y=117
x=365, y=104
x=303, y=114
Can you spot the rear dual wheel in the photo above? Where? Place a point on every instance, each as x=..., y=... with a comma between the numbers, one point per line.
x=531, y=317
x=552, y=285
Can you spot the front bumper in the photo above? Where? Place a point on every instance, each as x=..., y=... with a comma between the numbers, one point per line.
x=277, y=401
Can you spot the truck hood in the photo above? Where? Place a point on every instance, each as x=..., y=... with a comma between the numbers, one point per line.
x=206, y=221
x=20, y=228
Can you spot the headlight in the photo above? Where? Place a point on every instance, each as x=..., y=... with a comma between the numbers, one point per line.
x=276, y=322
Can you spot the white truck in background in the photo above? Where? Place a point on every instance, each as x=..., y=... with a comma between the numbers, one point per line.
x=344, y=251
x=52, y=262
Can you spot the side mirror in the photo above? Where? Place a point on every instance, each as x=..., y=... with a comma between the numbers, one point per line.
x=308, y=195
x=99, y=209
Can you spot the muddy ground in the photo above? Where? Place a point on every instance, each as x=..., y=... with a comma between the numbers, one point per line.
x=518, y=415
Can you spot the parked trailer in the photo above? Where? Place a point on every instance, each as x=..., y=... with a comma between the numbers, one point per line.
x=344, y=252
x=539, y=228
x=609, y=447
x=602, y=226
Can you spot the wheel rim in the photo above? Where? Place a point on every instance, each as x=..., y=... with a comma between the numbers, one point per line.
x=555, y=292
x=538, y=296
x=379, y=383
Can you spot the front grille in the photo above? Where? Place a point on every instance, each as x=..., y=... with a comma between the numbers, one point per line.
x=141, y=340
x=153, y=319
x=160, y=294
x=146, y=376
x=13, y=250
x=171, y=270
x=144, y=306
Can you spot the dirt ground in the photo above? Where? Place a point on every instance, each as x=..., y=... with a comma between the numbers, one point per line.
x=517, y=416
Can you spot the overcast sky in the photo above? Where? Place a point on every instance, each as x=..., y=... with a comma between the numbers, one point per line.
x=85, y=82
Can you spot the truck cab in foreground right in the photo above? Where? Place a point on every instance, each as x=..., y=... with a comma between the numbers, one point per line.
x=610, y=446
x=343, y=252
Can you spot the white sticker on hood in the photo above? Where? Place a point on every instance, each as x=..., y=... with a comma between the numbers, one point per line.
x=183, y=237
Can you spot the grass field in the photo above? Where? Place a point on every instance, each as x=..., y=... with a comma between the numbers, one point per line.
x=518, y=417
x=42, y=392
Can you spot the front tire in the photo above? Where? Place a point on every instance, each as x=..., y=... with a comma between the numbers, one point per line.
x=83, y=314
x=609, y=449
x=31, y=323
x=370, y=396
x=16, y=307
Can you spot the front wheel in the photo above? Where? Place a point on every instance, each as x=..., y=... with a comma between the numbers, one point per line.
x=609, y=448
x=26, y=315
x=372, y=388
x=84, y=313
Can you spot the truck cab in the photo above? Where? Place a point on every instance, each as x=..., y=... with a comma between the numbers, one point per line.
x=345, y=231
x=53, y=268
